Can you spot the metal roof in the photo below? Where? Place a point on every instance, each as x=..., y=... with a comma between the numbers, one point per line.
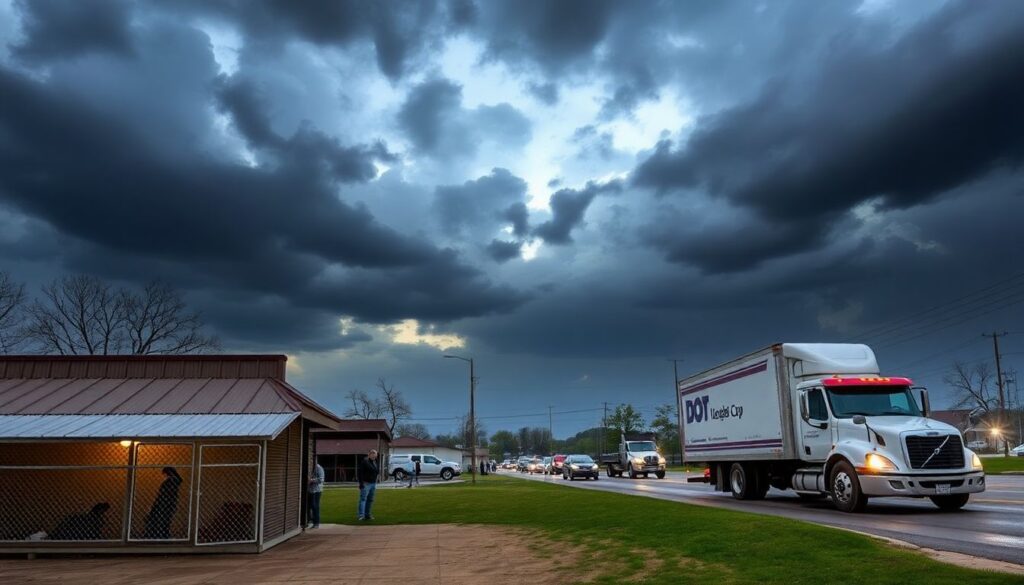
x=143, y=426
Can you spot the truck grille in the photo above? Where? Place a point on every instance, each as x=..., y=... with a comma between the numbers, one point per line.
x=922, y=449
x=651, y=460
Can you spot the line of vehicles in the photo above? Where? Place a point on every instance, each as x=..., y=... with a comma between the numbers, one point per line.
x=570, y=467
x=815, y=418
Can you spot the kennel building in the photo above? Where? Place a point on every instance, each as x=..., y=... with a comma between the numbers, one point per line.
x=152, y=453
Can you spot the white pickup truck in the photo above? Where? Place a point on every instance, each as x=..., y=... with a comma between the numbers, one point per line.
x=638, y=455
x=821, y=420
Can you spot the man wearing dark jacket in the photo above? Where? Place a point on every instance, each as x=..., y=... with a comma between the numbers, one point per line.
x=368, y=473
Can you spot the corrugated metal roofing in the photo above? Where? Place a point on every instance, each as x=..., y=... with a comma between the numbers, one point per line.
x=222, y=384
x=143, y=426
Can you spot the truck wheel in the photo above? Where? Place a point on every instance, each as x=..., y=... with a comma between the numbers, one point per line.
x=399, y=474
x=447, y=474
x=645, y=475
x=632, y=474
x=609, y=471
x=742, y=483
x=659, y=474
x=845, y=487
x=950, y=503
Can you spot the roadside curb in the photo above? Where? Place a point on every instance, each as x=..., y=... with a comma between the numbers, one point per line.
x=948, y=557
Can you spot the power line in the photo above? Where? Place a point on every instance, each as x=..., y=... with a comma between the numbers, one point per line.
x=897, y=324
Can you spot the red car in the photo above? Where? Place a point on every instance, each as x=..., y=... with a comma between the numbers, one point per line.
x=557, y=462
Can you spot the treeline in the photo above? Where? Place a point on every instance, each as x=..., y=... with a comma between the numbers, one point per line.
x=624, y=418
x=85, y=315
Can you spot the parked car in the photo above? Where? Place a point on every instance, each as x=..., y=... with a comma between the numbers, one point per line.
x=508, y=464
x=580, y=466
x=400, y=465
x=1018, y=450
x=546, y=462
x=977, y=445
x=536, y=465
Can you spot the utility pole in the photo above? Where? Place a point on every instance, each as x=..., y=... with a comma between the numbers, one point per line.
x=472, y=413
x=675, y=398
x=472, y=418
x=551, y=433
x=999, y=380
x=604, y=426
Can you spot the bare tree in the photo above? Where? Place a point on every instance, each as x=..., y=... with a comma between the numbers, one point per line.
x=972, y=386
x=416, y=430
x=12, y=300
x=157, y=321
x=393, y=405
x=362, y=405
x=77, y=315
x=82, y=314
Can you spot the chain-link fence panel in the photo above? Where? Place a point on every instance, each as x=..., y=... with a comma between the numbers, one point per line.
x=62, y=503
x=229, y=489
x=161, y=492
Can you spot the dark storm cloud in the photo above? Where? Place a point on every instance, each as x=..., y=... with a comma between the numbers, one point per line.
x=399, y=32
x=519, y=216
x=545, y=92
x=553, y=35
x=307, y=146
x=435, y=121
x=58, y=29
x=943, y=111
x=481, y=203
x=89, y=173
x=280, y=326
x=567, y=209
x=502, y=251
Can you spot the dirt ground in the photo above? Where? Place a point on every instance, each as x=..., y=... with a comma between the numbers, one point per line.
x=335, y=554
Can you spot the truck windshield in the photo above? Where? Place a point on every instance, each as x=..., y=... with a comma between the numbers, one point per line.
x=641, y=446
x=872, y=401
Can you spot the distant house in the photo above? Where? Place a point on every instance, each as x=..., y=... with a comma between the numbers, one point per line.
x=482, y=454
x=162, y=454
x=404, y=445
x=959, y=418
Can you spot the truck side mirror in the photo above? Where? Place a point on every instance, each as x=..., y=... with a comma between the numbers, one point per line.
x=926, y=406
x=858, y=419
x=805, y=407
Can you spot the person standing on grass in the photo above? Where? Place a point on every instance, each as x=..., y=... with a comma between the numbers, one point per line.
x=367, y=473
x=416, y=472
x=316, y=489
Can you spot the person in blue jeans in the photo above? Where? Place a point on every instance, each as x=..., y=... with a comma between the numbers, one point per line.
x=367, y=473
x=316, y=488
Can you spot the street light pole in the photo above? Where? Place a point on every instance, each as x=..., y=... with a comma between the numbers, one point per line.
x=472, y=414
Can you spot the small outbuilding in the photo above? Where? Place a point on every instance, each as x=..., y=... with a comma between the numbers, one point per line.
x=339, y=451
x=152, y=454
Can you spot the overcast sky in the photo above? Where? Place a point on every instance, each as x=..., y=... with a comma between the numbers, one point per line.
x=569, y=192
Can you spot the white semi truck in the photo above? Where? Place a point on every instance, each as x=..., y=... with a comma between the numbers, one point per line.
x=818, y=418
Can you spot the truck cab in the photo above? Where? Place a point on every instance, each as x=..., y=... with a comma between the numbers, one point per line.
x=638, y=455
x=870, y=436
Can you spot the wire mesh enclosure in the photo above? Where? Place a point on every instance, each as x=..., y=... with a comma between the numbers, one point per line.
x=121, y=492
x=229, y=490
x=63, y=491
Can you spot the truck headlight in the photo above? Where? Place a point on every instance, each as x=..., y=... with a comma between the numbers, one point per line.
x=975, y=461
x=638, y=460
x=876, y=462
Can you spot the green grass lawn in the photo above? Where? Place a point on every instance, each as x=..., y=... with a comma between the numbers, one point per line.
x=998, y=465
x=623, y=536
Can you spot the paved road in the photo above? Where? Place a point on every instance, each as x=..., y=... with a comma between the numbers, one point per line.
x=990, y=526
